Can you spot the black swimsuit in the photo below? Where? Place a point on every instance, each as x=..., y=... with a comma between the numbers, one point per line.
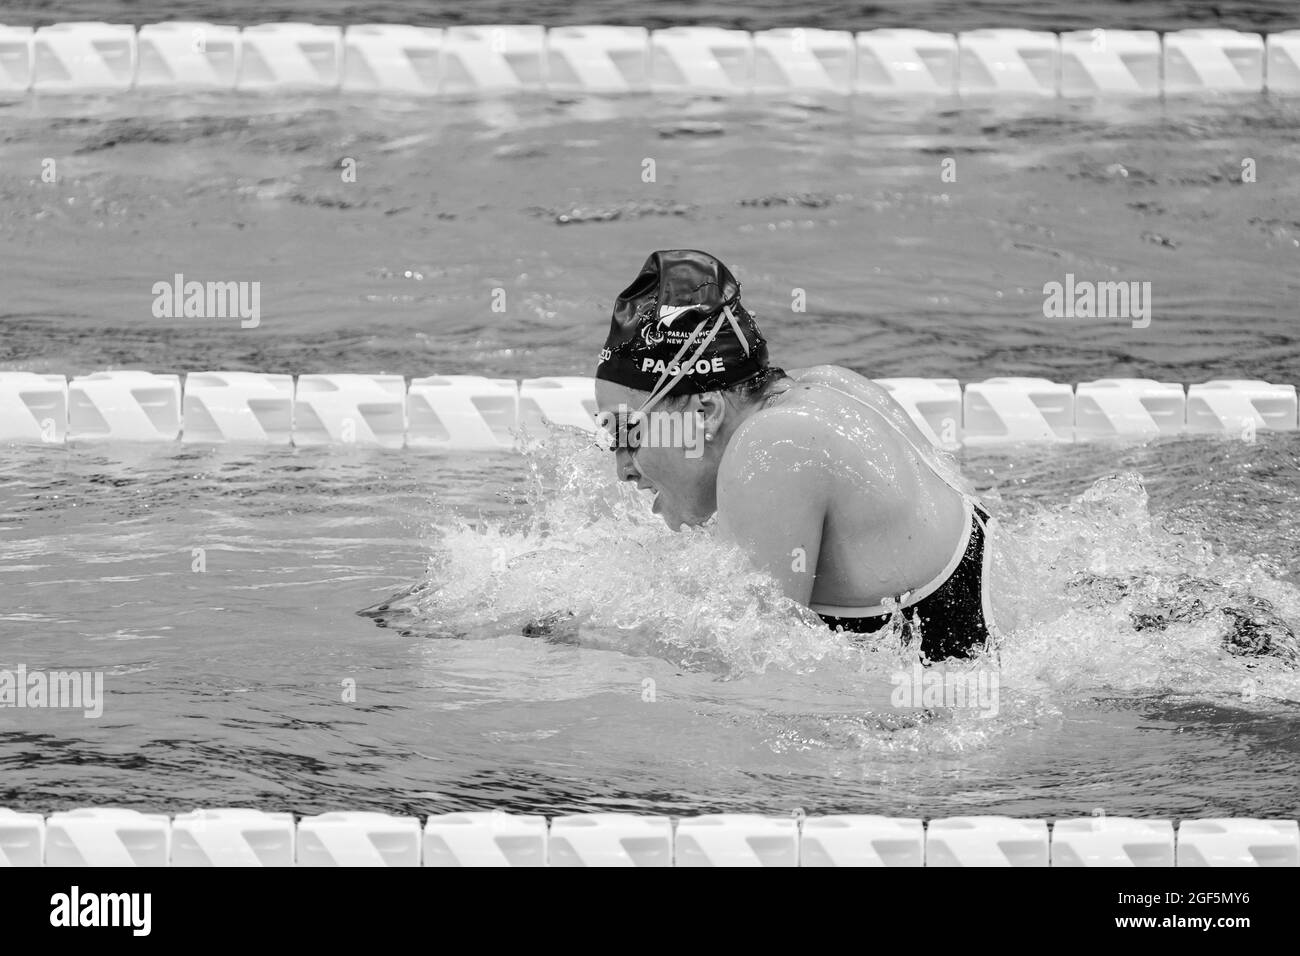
x=952, y=619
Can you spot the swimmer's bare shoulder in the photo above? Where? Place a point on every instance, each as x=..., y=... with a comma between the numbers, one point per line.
x=865, y=390
x=786, y=432
x=797, y=439
x=776, y=482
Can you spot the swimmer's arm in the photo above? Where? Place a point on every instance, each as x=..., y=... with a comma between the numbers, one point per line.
x=772, y=499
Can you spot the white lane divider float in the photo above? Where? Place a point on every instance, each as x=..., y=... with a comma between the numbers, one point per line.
x=986, y=841
x=1231, y=406
x=83, y=57
x=462, y=412
x=492, y=60
x=382, y=57
x=358, y=838
x=1238, y=843
x=906, y=62
x=350, y=409
x=238, y=407
x=560, y=400
x=470, y=412
x=611, y=839
x=861, y=840
x=22, y=838
x=934, y=404
x=33, y=407
x=1024, y=62
x=1112, y=841
x=187, y=55
x=290, y=56
x=485, y=838
x=701, y=60
x=1110, y=63
x=737, y=839
x=233, y=837
x=1128, y=408
x=109, y=836
x=15, y=60
x=1282, y=64
x=598, y=60
x=1017, y=409
x=124, y=406
x=799, y=60
x=1220, y=60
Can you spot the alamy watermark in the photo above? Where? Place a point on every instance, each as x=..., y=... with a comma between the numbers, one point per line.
x=630, y=429
x=1084, y=299
x=179, y=299
x=927, y=687
x=77, y=690
x=75, y=908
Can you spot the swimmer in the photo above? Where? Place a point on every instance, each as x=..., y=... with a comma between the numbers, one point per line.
x=816, y=473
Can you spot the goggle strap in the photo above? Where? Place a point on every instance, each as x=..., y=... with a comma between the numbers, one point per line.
x=735, y=326
x=680, y=352
x=660, y=389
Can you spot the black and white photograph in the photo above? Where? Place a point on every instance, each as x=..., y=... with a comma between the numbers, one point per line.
x=663, y=434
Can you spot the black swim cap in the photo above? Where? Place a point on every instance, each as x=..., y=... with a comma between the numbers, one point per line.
x=680, y=299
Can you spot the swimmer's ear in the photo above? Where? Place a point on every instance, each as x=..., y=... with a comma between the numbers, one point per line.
x=713, y=407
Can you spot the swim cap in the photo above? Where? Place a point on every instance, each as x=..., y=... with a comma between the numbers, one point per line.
x=680, y=327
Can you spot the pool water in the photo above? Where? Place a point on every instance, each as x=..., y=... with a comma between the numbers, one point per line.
x=681, y=683
x=227, y=686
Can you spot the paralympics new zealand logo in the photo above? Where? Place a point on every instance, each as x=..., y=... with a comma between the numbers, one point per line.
x=654, y=333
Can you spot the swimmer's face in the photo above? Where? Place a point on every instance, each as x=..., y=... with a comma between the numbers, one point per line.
x=680, y=472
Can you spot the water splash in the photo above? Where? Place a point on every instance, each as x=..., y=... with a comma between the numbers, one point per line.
x=1100, y=596
x=586, y=562
x=1095, y=599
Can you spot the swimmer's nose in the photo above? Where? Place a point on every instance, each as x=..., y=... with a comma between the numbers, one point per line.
x=625, y=467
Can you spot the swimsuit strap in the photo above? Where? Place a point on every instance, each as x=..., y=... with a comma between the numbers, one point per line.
x=913, y=596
